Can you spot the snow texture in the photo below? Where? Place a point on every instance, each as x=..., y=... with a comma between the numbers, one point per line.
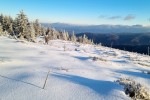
x=74, y=75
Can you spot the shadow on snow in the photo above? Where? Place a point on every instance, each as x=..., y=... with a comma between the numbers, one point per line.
x=20, y=80
x=99, y=86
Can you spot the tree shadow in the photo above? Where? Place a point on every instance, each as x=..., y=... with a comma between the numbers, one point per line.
x=99, y=86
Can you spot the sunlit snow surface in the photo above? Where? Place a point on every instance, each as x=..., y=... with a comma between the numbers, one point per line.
x=73, y=73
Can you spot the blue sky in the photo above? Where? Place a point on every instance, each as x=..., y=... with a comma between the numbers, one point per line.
x=122, y=12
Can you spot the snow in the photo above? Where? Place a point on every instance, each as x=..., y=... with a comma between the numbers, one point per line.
x=73, y=73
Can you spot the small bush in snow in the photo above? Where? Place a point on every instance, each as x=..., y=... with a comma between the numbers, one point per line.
x=64, y=47
x=144, y=64
x=97, y=58
x=40, y=42
x=76, y=49
x=135, y=90
x=64, y=69
x=101, y=59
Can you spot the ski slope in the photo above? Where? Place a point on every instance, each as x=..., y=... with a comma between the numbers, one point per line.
x=73, y=74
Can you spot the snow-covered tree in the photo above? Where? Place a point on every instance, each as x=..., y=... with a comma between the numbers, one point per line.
x=54, y=34
x=22, y=26
x=61, y=35
x=85, y=39
x=10, y=29
x=73, y=37
x=5, y=23
x=37, y=27
x=65, y=36
x=31, y=32
x=1, y=29
x=48, y=31
x=43, y=31
x=80, y=39
x=1, y=18
x=15, y=27
x=92, y=42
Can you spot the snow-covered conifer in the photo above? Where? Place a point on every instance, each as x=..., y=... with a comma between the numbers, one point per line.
x=80, y=39
x=22, y=26
x=1, y=29
x=31, y=32
x=43, y=31
x=37, y=27
x=73, y=37
x=10, y=29
x=85, y=39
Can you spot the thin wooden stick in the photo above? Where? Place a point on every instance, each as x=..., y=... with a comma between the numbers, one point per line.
x=46, y=79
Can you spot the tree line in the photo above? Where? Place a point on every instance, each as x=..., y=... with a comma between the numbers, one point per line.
x=22, y=28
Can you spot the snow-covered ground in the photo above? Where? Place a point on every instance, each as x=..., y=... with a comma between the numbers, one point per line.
x=73, y=74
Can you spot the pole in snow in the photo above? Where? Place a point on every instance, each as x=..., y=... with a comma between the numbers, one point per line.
x=46, y=79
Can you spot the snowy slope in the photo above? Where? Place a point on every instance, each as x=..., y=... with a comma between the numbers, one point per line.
x=73, y=73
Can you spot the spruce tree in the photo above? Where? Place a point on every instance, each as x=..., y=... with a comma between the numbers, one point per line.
x=1, y=29
x=52, y=34
x=65, y=36
x=37, y=27
x=10, y=29
x=43, y=31
x=73, y=38
x=80, y=39
x=5, y=22
x=61, y=36
x=31, y=33
x=15, y=27
x=22, y=26
x=2, y=19
x=85, y=39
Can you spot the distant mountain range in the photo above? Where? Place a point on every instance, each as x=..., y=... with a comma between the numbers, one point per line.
x=119, y=38
x=134, y=38
x=138, y=42
x=99, y=28
x=106, y=34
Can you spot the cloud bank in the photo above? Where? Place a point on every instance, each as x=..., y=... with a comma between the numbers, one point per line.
x=128, y=17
